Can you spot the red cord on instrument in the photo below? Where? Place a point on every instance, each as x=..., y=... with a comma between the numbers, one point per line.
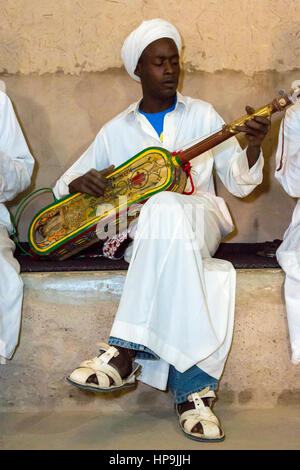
x=187, y=168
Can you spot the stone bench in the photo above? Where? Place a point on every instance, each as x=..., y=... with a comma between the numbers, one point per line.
x=65, y=313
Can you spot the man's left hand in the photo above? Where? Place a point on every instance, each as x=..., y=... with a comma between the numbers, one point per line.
x=255, y=129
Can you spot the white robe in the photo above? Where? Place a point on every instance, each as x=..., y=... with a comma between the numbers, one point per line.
x=16, y=165
x=177, y=300
x=288, y=254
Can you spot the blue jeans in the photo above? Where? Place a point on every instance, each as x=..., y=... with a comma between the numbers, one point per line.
x=181, y=384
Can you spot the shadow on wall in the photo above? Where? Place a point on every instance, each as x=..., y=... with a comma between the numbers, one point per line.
x=269, y=149
x=270, y=211
x=266, y=212
x=34, y=121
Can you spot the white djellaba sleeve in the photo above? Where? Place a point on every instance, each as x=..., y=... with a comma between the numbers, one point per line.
x=288, y=152
x=16, y=165
x=231, y=164
x=288, y=254
x=16, y=161
x=94, y=157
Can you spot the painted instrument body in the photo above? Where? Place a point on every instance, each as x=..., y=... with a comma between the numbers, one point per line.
x=77, y=221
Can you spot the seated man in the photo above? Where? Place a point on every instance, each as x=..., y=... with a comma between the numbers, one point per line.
x=288, y=254
x=16, y=165
x=177, y=307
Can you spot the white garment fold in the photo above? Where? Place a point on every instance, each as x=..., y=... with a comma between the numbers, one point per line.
x=177, y=300
x=16, y=162
x=288, y=254
x=11, y=295
x=16, y=165
x=130, y=132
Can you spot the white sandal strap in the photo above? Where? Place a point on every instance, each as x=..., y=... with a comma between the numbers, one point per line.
x=111, y=372
x=81, y=374
x=98, y=365
x=211, y=429
x=200, y=414
x=110, y=352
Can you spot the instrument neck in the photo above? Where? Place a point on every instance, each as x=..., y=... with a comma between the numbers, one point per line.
x=203, y=146
x=229, y=130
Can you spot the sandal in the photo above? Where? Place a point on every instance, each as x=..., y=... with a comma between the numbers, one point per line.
x=201, y=414
x=100, y=367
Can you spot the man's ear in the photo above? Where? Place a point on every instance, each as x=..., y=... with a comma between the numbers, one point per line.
x=138, y=69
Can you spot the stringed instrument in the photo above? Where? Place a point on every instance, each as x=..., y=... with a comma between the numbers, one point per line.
x=77, y=221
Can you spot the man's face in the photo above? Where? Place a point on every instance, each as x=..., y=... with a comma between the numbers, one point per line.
x=159, y=69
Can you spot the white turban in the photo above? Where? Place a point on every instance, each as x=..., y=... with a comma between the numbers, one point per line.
x=141, y=37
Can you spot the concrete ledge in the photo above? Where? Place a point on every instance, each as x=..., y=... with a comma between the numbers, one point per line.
x=66, y=314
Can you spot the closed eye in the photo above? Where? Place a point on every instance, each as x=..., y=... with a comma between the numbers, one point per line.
x=161, y=63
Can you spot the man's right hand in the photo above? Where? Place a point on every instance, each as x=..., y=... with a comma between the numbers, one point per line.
x=93, y=182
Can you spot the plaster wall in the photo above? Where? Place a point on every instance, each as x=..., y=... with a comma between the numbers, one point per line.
x=86, y=35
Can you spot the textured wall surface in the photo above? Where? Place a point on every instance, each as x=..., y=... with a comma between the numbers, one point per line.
x=86, y=35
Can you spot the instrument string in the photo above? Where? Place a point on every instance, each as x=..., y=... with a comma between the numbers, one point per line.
x=197, y=140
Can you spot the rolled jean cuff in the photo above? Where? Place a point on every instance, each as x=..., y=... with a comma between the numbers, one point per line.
x=142, y=351
x=193, y=380
x=182, y=397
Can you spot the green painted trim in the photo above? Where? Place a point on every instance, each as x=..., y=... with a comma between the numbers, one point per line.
x=123, y=165
x=178, y=159
x=56, y=245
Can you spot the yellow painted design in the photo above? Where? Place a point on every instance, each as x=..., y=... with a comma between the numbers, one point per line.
x=78, y=212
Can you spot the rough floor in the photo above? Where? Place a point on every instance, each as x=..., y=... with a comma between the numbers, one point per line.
x=275, y=429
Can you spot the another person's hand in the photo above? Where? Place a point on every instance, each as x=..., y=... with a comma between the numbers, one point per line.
x=93, y=182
